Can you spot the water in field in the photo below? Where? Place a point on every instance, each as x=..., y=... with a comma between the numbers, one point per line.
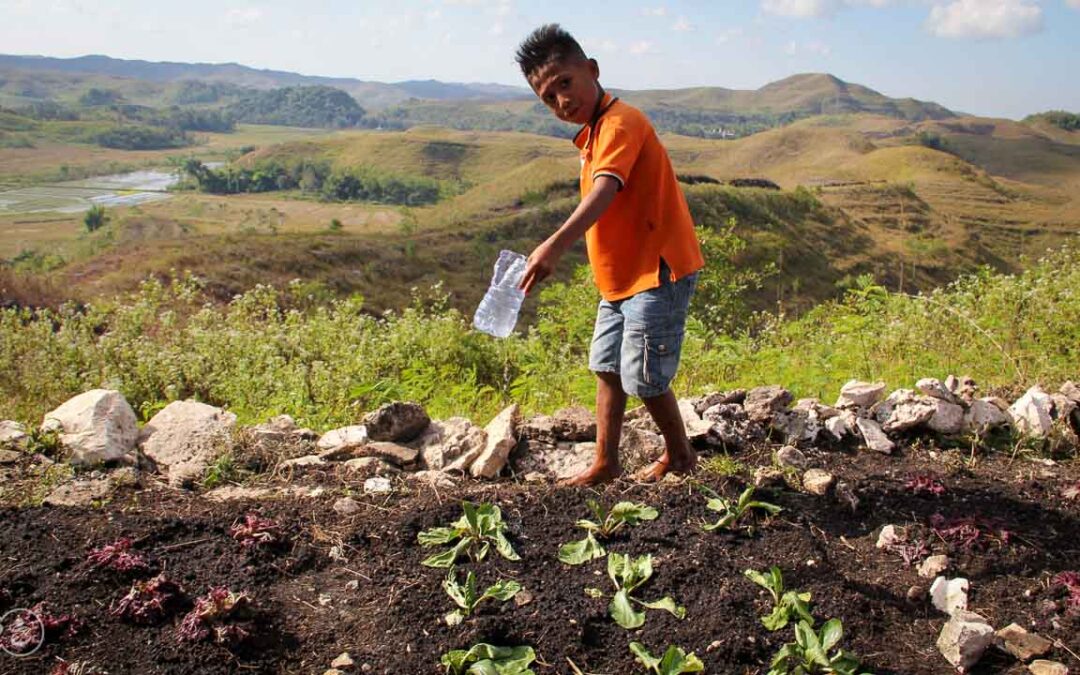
x=123, y=189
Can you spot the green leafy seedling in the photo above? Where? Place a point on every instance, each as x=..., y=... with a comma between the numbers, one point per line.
x=485, y=659
x=607, y=523
x=673, y=662
x=467, y=598
x=475, y=532
x=786, y=605
x=732, y=511
x=809, y=654
x=628, y=574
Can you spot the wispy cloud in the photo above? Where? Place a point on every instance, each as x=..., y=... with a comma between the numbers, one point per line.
x=727, y=35
x=1075, y=4
x=243, y=16
x=682, y=25
x=811, y=48
x=800, y=9
x=643, y=47
x=653, y=11
x=985, y=19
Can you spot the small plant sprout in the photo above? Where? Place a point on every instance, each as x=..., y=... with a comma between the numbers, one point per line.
x=924, y=484
x=786, y=604
x=255, y=531
x=628, y=574
x=149, y=602
x=607, y=523
x=485, y=659
x=732, y=511
x=467, y=598
x=213, y=616
x=26, y=630
x=116, y=556
x=475, y=532
x=1071, y=582
x=673, y=662
x=809, y=654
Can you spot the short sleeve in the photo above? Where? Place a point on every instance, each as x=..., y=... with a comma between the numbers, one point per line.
x=618, y=144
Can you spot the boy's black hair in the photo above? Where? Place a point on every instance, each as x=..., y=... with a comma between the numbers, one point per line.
x=546, y=44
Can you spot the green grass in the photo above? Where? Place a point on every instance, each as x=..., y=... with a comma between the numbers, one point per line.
x=287, y=351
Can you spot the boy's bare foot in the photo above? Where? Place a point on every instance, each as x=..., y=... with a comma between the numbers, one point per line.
x=594, y=475
x=665, y=465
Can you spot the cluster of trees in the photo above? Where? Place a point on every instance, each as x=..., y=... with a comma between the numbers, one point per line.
x=140, y=137
x=352, y=184
x=713, y=124
x=1059, y=118
x=316, y=106
x=196, y=92
x=95, y=97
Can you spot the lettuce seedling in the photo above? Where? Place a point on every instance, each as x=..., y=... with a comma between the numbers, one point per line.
x=213, y=616
x=116, y=556
x=809, y=654
x=1071, y=582
x=606, y=524
x=149, y=602
x=254, y=531
x=786, y=605
x=923, y=483
x=673, y=662
x=467, y=598
x=731, y=511
x=628, y=574
x=475, y=532
x=485, y=659
x=971, y=533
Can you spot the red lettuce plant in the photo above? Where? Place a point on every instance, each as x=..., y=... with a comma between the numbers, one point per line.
x=213, y=616
x=28, y=629
x=254, y=531
x=1071, y=582
x=149, y=602
x=116, y=556
x=923, y=483
x=971, y=533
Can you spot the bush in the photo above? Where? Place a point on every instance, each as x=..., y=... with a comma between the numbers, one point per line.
x=142, y=138
x=95, y=218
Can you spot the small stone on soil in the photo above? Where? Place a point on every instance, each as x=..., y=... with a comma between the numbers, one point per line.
x=1044, y=667
x=1022, y=644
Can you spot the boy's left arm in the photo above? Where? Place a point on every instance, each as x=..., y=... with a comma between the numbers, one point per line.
x=545, y=257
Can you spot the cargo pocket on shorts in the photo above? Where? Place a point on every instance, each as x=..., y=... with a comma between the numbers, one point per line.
x=661, y=358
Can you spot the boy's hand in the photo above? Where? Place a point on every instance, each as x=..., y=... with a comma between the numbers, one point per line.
x=541, y=264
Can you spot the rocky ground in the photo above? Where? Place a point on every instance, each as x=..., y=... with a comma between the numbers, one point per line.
x=320, y=566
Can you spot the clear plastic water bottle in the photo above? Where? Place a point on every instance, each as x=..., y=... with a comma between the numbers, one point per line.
x=498, y=311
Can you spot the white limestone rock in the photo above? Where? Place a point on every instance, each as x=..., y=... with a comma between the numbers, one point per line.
x=948, y=418
x=856, y=394
x=984, y=415
x=95, y=426
x=949, y=595
x=874, y=437
x=817, y=482
x=185, y=437
x=12, y=435
x=932, y=387
x=1031, y=413
x=451, y=445
x=933, y=566
x=343, y=437
x=964, y=639
x=501, y=439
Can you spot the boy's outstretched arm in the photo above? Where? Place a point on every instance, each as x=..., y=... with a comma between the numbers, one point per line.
x=545, y=257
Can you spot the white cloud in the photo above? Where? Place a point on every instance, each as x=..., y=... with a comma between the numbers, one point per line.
x=985, y=19
x=1075, y=4
x=727, y=35
x=682, y=24
x=243, y=16
x=643, y=47
x=654, y=11
x=799, y=9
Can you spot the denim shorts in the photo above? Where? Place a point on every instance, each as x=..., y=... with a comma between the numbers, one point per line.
x=641, y=337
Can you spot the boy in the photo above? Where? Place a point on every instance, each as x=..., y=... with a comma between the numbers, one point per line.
x=642, y=248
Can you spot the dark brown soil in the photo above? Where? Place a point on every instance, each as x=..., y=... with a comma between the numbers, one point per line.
x=391, y=616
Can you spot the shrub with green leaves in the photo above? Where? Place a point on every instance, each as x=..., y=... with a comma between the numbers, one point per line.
x=786, y=604
x=467, y=597
x=485, y=659
x=731, y=511
x=475, y=532
x=607, y=523
x=674, y=661
x=628, y=574
x=810, y=653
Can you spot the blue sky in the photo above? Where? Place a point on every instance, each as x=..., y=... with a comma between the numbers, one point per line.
x=990, y=57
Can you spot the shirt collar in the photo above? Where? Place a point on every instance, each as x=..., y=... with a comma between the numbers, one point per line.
x=581, y=138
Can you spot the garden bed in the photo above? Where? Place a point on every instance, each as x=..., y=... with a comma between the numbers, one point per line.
x=374, y=600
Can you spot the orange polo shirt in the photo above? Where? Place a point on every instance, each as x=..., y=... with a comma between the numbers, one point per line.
x=648, y=219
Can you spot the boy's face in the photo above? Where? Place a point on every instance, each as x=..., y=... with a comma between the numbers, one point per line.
x=569, y=88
